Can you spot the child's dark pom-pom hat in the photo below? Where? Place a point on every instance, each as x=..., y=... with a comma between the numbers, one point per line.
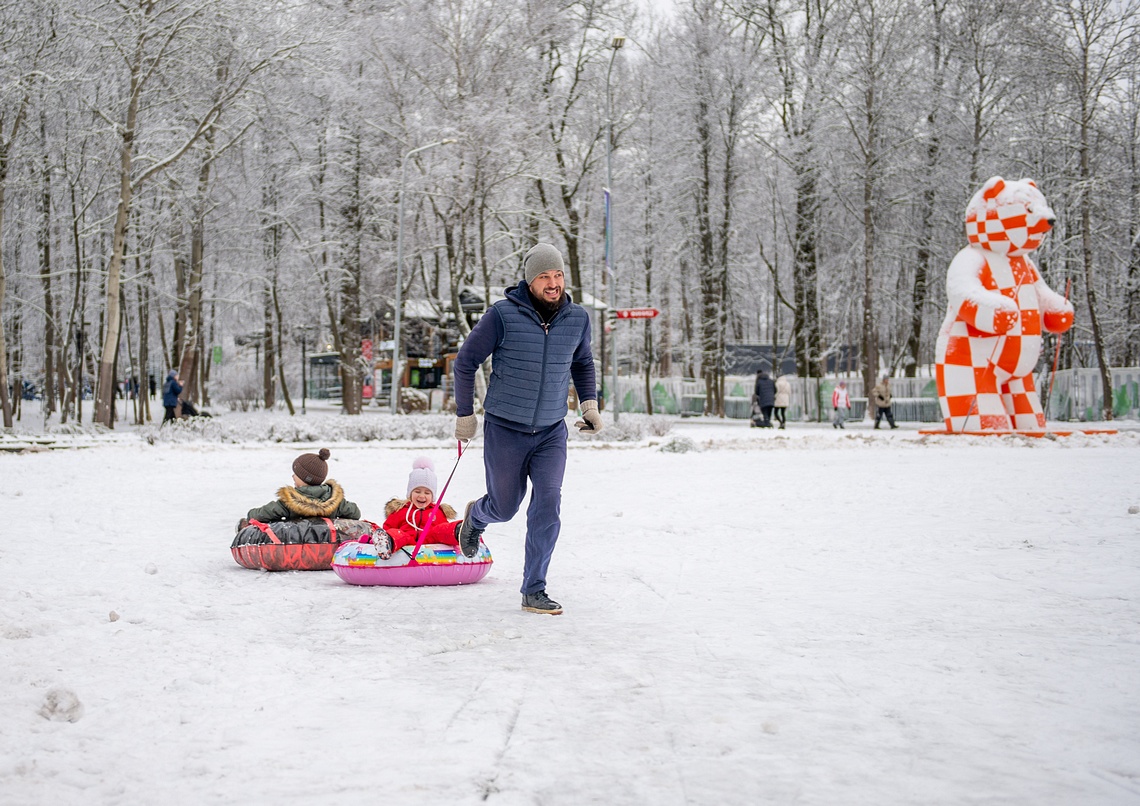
x=423, y=475
x=312, y=468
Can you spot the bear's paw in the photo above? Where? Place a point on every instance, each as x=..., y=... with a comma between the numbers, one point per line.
x=1004, y=320
x=1058, y=321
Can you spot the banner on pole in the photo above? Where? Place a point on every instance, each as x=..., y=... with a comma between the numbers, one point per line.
x=636, y=313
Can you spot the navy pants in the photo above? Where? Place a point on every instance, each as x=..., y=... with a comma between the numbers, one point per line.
x=509, y=459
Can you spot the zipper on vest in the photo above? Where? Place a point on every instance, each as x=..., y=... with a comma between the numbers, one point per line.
x=542, y=371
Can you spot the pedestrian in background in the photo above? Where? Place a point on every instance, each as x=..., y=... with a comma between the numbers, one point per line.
x=841, y=402
x=764, y=394
x=881, y=394
x=783, y=399
x=170, y=392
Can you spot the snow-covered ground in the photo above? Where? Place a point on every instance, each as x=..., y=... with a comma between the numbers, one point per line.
x=807, y=616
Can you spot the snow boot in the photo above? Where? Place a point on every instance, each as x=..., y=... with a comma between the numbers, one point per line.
x=469, y=534
x=540, y=603
x=383, y=543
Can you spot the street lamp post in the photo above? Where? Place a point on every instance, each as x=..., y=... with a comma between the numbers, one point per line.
x=615, y=46
x=304, y=366
x=394, y=387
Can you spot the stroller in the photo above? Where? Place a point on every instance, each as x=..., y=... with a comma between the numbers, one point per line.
x=757, y=417
x=190, y=410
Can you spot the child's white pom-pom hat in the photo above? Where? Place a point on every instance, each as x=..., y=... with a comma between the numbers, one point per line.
x=423, y=475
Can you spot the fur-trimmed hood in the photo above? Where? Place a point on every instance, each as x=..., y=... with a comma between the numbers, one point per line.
x=396, y=504
x=310, y=506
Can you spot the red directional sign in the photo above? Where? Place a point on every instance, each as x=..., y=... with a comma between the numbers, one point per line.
x=636, y=313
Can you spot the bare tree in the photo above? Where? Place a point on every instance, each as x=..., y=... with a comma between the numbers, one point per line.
x=932, y=154
x=150, y=36
x=1092, y=48
x=1131, y=141
x=880, y=41
x=26, y=34
x=804, y=47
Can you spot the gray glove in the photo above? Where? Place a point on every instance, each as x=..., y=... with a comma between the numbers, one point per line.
x=465, y=427
x=591, y=422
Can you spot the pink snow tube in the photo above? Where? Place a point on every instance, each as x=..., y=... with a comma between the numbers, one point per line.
x=434, y=564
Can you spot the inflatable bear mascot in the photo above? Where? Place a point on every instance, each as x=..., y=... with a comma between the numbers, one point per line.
x=997, y=304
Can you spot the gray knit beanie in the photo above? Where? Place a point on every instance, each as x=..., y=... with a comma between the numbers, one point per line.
x=541, y=257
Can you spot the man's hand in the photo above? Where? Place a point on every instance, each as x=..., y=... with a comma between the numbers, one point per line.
x=591, y=421
x=465, y=427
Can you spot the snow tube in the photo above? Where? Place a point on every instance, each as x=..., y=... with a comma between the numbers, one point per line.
x=435, y=564
x=306, y=544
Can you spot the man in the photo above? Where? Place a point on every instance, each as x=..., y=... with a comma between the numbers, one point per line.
x=540, y=339
x=170, y=392
x=881, y=394
x=764, y=393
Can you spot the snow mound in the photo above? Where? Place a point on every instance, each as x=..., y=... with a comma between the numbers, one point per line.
x=61, y=705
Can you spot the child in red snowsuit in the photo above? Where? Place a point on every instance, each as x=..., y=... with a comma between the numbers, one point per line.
x=407, y=516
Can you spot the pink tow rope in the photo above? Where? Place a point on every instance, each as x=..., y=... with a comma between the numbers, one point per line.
x=436, y=506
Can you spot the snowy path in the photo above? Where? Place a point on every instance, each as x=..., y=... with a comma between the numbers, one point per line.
x=813, y=623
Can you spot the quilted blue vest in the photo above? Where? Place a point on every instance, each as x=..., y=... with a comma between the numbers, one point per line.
x=530, y=372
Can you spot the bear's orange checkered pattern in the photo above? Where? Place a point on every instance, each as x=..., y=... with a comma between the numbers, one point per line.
x=997, y=303
x=1005, y=228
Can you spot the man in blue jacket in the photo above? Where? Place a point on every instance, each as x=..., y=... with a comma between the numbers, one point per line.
x=170, y=392
x=540, y=340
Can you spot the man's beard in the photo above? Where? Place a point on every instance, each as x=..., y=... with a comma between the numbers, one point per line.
x=551, y=306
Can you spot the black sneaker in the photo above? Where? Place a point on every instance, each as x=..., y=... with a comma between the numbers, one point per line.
x=540, y=603
x=469, y=533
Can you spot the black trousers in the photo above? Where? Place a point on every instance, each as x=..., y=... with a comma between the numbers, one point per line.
x=884, y=411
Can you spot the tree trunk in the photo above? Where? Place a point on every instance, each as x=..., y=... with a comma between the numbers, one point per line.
x=925, y=251
x=351, y=380
x=870, y=351
x=5, y=399
x=711, y=301
x=268, y=365
x=143, y=300
x=1132, y=287
x=51, y=325
x=105, y=391
x=281, y=352
x=189, y=360
x=1087, y=260
x=805, y=273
